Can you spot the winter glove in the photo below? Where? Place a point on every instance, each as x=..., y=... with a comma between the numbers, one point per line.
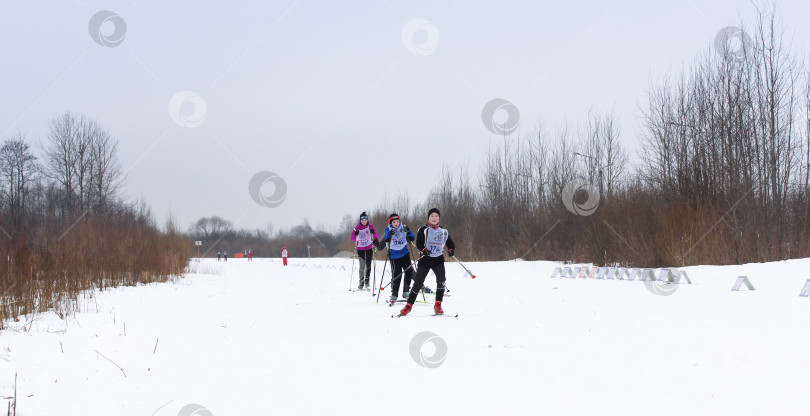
x=425, y=252
x=376, y=242
x=451, y=252
x=409, y=238
x=405, y=229
x=356, y=232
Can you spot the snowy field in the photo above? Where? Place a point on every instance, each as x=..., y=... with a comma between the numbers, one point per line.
x=241, y=338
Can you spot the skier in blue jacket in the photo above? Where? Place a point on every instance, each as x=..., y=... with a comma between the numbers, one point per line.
x=397, y=235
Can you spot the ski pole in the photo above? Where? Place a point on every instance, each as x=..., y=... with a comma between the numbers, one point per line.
x=415, y=266
x=374, y=281
x=423, y=291
x=350, y=274
x=381, y=278
x=387, y=258
x=416, y=269
x=400, y=275
x=462, y=266
x=354, y=256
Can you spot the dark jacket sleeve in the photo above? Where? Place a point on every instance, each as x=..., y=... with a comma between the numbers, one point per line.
x=420, y=238
x=450, y=244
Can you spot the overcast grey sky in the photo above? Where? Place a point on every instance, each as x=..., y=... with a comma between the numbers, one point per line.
x=327, y=95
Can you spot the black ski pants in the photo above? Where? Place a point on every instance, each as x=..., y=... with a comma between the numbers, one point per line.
x=425, y=266
x=365, y=265
x=398, y=274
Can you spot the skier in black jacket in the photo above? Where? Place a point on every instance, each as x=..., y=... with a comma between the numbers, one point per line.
x=430, y=241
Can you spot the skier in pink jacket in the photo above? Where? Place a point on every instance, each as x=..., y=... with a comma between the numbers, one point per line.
x=365, y=238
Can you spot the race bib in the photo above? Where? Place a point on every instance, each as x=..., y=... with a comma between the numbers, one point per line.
x=364, y=237
x=435, y=241
x=399, y=239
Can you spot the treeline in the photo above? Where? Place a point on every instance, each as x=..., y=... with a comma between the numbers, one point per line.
x=65, y=229
x=722, y=175
x=219, y=234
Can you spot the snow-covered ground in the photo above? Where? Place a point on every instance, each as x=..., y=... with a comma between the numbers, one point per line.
x=243, y=337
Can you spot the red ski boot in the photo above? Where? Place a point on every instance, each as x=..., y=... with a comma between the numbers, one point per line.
x=437, y=308
x=406, y=310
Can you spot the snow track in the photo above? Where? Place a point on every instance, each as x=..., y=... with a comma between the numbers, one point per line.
x=259, y=338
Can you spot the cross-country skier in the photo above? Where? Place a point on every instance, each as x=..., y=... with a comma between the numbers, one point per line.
x=226, y=255
x=365, y=237
x=219, y=255
x=284, y=254
x=430, y=241
x=397, y=235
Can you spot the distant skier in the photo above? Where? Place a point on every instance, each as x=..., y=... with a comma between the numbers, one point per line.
x=430, y=241
x=397, y=235
x=226, y=255
x=284, y=254
x=365, y=237
x=219, y=255
x=250, y=255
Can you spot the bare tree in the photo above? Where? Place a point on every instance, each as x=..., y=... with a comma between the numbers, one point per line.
x=81, y=158
x=603, y=154
x=106, y=177
x=613, y=155
x=212, y=227
x=776, y=89
x=17, y=176
x=60, y=158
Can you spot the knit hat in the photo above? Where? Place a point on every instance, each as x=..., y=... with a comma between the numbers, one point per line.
x=436, y=210
x=363, y=216
x=392, y=217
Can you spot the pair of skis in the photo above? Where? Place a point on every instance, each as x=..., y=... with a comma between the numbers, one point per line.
x=403, y=300
x=399, y=315
x=469, y=273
